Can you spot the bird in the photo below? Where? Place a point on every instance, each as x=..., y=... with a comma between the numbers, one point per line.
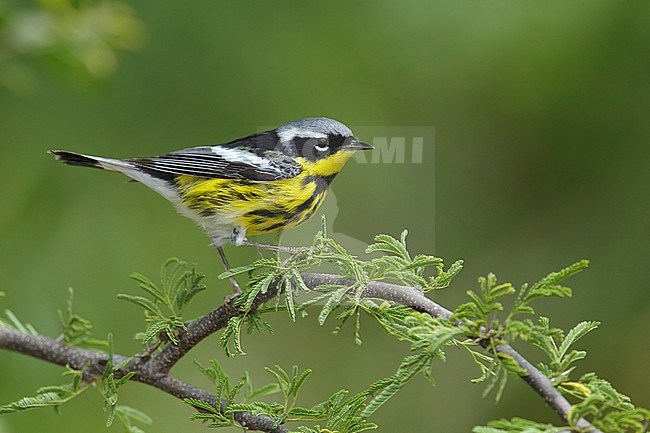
x=262, y=183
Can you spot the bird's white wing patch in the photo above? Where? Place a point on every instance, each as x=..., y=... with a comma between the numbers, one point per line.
x=219, y=162
x=241, y=156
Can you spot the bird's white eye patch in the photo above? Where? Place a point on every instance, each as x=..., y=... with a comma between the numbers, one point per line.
x=291, y=133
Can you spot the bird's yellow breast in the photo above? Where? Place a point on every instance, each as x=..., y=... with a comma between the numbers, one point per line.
x=263, y=207
x=260, y=207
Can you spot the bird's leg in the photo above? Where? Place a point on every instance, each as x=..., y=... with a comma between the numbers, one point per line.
x=236, y=289
x=238, y=238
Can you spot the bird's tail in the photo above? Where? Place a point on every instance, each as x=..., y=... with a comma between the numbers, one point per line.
x=150, y=178
x=71, y=158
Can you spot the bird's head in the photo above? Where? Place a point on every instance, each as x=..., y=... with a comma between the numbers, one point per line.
x=322, y=146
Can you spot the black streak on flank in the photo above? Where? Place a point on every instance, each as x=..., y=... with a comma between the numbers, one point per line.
x=328, y=179
x=276, y=226
x=267, y=213
x=206, y=213
x=306, y=204
x=322, y=182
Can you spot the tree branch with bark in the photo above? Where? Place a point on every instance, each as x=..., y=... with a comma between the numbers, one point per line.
x=401, y=307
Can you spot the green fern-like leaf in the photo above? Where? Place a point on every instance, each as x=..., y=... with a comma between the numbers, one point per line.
x=232, y=333
x=389, y=244
x=52, y=396
x=143, y=302
x=578, y=331
x=332, y=303
x=518, y=425
x=128, y=415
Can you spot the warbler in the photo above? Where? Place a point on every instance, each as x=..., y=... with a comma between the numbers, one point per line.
x=263, y=183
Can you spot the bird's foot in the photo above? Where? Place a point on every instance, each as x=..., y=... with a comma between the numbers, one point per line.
x=236, y=292
x=238, y=236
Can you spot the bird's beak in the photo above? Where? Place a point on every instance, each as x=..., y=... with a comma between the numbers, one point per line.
x=355, y=144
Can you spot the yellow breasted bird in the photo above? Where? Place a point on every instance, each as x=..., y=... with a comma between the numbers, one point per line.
x=262, y=183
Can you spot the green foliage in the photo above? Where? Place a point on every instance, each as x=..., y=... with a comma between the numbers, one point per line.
x=2, y=321
x=427, y=335
x=227, y=393
x=77, y=330
x=605, y=407
x=166, y=302
x=283, y=275
x=600, y=404
x=221, y=415
x=484, y=319
x=482, y=316
x=270, y=271
x=127, y=416
x=16, y=323
x=518, y=425
x=546, y=287
x=49, y=396
x=230, y=339
x=479, y=313
x=289, y=385
x=398, y=266
x=395, y=266
x=560, y=367
x=109, y=384
x=479, y=326
x=340, y=412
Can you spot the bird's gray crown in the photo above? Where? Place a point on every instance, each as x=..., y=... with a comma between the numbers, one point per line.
x=313, y=127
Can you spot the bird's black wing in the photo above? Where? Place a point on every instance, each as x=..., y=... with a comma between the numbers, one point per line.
x=236, y=160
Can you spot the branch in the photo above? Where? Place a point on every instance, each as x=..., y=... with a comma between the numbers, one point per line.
x=154, y=370
x=201, y=328
x=414, y=298
x=407, y=296
x=92, y=365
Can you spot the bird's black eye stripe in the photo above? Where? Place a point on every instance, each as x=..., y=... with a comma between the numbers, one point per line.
x=313, y=148
x=304, y=141
x=308, y=147
x=336, y=141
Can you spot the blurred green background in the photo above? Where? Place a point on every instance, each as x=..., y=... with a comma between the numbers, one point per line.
x=541, y=158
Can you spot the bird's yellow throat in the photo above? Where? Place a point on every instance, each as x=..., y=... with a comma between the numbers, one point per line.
x=327, y=166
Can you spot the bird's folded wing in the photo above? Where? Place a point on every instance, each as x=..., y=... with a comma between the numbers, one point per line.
x=220, y=162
